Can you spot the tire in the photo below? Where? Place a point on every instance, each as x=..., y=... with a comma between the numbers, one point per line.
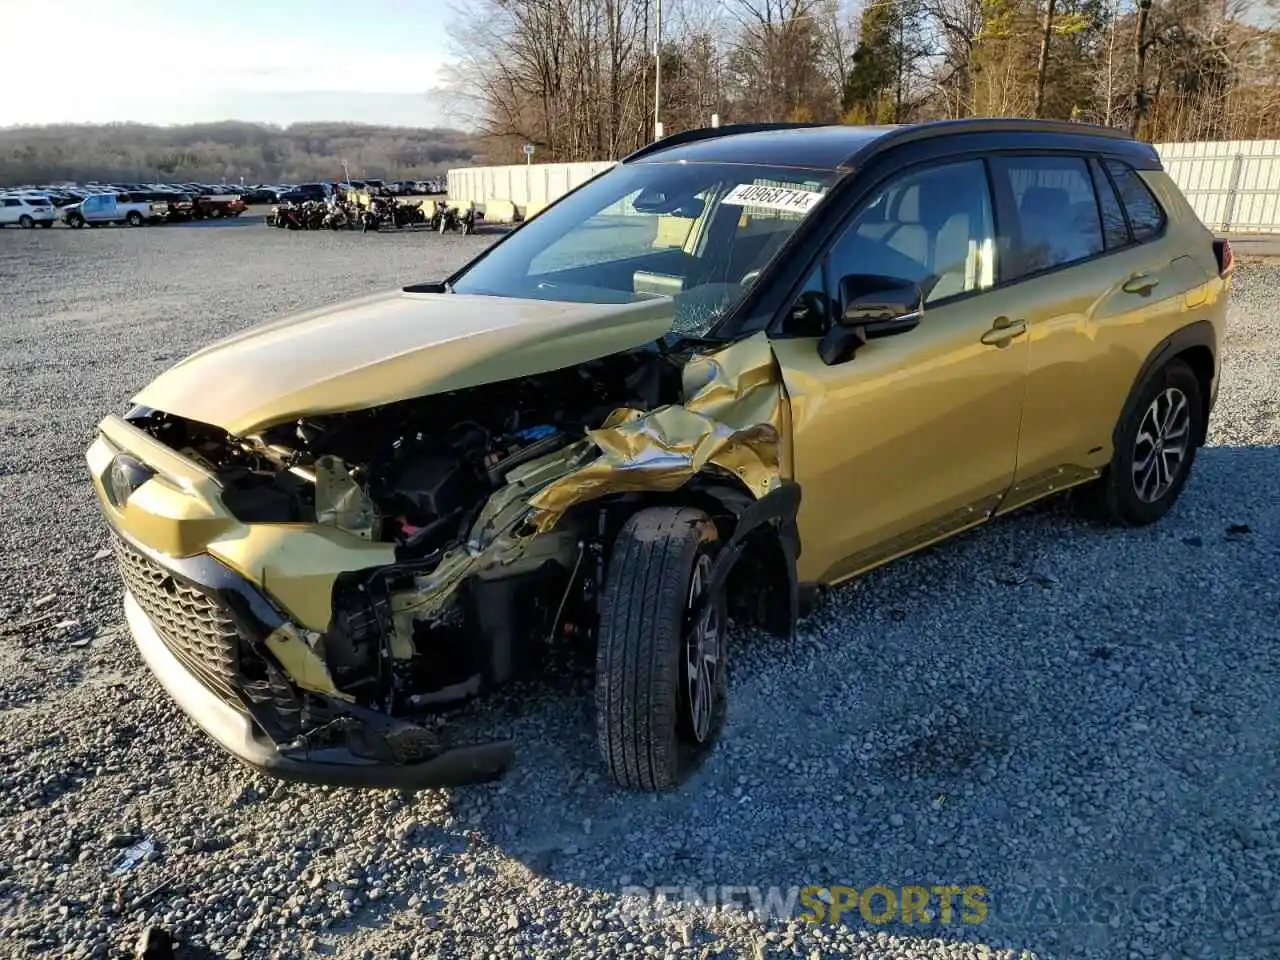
x=76, y=221
x=1129, y=493
x=134, y=219
x=25, y=222
x=648, y=729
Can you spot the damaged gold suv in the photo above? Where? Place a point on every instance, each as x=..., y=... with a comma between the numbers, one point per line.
x=740, y=365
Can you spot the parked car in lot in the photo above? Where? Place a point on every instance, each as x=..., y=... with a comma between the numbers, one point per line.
x=215, y=206
x=304, y=192
x=177, y=207
x=258, y=194
x=27, y=211
x=121, y=208
x=803, y=352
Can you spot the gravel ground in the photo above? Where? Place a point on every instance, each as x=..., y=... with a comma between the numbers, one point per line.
x=1080, y=720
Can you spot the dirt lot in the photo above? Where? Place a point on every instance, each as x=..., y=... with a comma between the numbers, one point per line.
x=1080, y=720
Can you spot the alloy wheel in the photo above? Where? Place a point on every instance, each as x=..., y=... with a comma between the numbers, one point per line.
x=1160, y=448
x=704, y=655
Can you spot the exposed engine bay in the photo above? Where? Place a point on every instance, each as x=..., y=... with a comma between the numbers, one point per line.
x=446, y=479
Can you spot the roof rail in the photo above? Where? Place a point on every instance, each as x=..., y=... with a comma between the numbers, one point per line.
x=1020, y=125
x=710, y=133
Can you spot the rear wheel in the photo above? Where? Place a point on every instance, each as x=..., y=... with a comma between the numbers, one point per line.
x=25, y=222
x=1155, y=448
x=661, y=681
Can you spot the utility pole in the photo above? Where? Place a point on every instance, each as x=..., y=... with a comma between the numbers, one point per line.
x=657, y=73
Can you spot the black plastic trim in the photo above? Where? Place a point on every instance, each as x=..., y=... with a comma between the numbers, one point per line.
x=1198, y=334
x=779, y=508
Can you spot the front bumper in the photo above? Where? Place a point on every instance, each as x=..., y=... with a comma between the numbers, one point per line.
x=350, y=751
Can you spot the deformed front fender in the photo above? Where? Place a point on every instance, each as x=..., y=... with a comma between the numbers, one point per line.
x=726, y=437
x=730, y=423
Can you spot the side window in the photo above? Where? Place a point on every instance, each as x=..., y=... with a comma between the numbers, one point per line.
x=933, y=227
x=1115, y=229
x=1056, y=211
x=12, y=203
x=1145, y=215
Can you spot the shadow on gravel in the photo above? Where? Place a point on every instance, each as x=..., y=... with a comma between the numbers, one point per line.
x=1060, y=713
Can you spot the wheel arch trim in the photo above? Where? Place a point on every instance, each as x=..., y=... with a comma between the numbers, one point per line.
x=1200, y=334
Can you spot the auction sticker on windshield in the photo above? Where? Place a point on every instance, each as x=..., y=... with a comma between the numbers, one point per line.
x=772, y=198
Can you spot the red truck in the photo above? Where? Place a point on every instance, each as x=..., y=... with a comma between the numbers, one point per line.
x=216, y=206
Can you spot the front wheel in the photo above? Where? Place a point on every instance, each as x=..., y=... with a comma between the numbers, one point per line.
x=661, y=683
x=134, y=219
x=1155, y=448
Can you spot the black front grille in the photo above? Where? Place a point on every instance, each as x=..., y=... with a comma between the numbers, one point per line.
x=196, y=628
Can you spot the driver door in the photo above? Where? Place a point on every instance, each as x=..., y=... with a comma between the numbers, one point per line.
x=916, y=436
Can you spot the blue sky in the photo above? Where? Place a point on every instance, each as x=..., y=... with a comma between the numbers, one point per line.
x=185, y=61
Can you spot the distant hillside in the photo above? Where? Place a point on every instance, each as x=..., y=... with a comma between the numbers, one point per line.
x=226, y=151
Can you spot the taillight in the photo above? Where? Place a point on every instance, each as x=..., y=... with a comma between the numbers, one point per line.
x=1226, y=259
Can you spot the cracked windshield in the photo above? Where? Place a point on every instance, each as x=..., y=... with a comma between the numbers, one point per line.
x=698, y=233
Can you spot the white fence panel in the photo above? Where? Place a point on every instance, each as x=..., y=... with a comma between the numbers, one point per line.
x=522, y=184
x=1233, y=185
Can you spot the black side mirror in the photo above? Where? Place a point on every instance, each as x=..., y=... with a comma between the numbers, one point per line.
x=870, y=307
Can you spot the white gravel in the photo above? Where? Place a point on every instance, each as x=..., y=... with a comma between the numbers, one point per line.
x=1070, y=716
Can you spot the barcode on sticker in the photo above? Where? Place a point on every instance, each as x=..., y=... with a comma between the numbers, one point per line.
x=772, y=198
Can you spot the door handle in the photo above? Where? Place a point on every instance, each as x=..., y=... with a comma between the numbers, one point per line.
x=1004, y=330
x=1140, y=283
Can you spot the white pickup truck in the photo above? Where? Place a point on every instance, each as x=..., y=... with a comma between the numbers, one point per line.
x=113, y=208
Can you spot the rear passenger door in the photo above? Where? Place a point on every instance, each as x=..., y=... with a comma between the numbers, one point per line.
x=1090, y=289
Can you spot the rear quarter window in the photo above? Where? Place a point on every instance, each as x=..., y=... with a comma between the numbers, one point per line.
x=1146, y=218
x=1056, y=210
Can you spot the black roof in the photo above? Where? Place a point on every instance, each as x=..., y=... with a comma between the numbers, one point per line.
x=829, y=147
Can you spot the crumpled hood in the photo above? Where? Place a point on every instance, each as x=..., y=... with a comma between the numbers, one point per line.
x=392, y=347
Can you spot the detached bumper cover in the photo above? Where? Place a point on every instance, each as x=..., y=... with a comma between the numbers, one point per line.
x=235, y=733
x=359, y=748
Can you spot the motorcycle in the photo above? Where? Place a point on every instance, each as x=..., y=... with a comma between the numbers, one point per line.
x=313, y=214
x=437, y=212
x=464, y=223
x=287, y=216
x=338, y=216
x=374, y=215
x=407, y=214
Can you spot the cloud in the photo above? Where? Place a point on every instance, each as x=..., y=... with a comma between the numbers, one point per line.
x=149, y=71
